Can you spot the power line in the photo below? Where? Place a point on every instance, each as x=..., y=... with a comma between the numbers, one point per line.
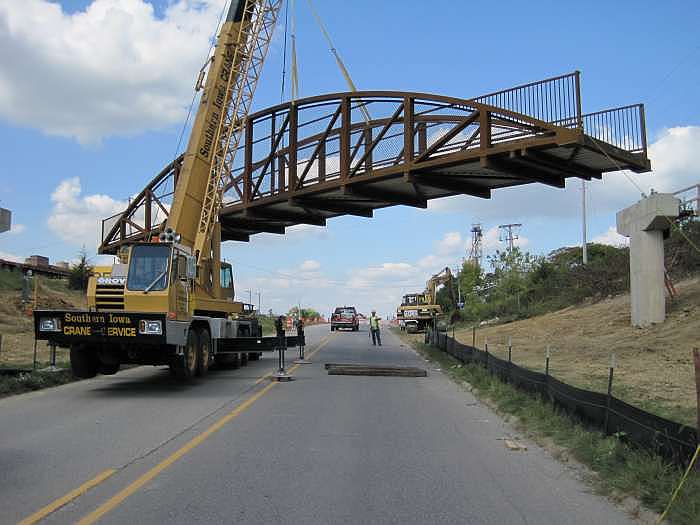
x=508, y=233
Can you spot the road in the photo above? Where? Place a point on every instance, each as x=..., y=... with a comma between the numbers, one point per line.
x=138, y=447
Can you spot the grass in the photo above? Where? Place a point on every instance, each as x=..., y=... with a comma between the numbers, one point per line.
x=16, y=323
x=618, y=469
x=654, y=364
x=34, y=380
x=10, y=280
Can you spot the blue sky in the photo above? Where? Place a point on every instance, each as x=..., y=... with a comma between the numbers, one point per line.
x=90, y=114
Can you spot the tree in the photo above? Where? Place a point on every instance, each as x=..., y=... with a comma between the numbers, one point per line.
x=511, y=277
x=80, y=272
x=471, y=284
x=306, y=313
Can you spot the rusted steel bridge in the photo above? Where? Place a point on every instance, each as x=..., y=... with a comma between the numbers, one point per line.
x=306, y=161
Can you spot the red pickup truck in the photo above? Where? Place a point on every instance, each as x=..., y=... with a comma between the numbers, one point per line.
x=345, y=317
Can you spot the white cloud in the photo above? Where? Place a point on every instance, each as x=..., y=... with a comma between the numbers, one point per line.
x=450, y=244
x=77, y=218
x=114, y=68
x=674, y=155
x=11, y=257
x=611, y=238
x=309, y=265
x=430, y=261
x=16, y=229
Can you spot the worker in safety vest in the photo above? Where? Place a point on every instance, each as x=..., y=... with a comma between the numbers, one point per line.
x=374, y=328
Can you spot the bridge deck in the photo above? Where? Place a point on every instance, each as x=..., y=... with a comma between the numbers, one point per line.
x=352, y=153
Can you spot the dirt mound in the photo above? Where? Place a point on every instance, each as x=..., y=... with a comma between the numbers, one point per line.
x=16, y=322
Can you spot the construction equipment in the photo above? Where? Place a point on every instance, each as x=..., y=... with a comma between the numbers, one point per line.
x=417, y=311
x=169, y=299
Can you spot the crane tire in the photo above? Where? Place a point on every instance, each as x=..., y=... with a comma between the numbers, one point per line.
x=83, y=361
x=203, y=352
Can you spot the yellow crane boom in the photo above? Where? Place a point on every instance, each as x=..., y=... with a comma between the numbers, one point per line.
x=232, y=78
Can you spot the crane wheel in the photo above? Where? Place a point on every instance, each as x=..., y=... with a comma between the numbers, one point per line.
x=254, y=356
x=244, y=359
x=203, y=352
x=83, y=361
x=185, y=366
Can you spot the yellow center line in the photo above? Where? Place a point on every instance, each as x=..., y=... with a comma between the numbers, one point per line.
x=130, y=489
x=60, y=502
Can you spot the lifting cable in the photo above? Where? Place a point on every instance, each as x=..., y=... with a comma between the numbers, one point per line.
x=338, y=60
x=680, y=486
x=295, y=69
x=284, y=50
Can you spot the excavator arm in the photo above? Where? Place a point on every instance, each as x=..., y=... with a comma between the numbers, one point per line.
x=442, y=277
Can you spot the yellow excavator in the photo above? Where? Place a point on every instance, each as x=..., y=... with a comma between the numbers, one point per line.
x=169, y=299
x=418, y=310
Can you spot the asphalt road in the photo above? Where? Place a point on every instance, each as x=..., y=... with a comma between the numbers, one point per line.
x=236, y=448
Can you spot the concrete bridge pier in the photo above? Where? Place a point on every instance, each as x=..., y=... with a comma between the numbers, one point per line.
x=646, y=223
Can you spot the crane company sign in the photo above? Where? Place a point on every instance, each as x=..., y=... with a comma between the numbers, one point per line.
x=5, y=220
x=98, y=326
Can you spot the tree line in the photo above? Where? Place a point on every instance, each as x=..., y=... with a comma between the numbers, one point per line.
x=519, y=284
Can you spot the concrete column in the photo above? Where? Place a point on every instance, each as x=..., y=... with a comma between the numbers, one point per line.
x=645, y=224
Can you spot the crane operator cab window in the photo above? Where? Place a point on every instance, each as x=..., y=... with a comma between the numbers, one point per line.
x=410, y=300
x=148, y=268
x=226, y=281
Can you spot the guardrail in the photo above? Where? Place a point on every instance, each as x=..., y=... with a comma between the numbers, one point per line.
x=604, y=411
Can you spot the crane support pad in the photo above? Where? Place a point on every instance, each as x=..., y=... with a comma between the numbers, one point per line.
x=350, y=369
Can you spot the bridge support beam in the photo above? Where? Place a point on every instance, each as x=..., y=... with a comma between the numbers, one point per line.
x=450, y=183
x=332, y=205
x=387, y=197
x=645, y=223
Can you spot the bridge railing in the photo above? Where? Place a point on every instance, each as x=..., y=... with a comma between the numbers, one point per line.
x=332, y=138
x=324, y=139
x=622, y=127
x=551, y=100
x=557, y=100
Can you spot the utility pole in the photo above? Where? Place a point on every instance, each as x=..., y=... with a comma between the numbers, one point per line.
x=259, y=299
x=584, y=244
x=250, y=296
x=508, y=233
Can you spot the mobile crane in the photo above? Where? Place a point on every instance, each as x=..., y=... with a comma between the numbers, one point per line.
x=170, y=299
x=418, y=310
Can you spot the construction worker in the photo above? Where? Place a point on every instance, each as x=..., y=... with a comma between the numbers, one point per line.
x=374, y=328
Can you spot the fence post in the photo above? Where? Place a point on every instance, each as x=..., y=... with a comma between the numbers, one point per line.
x=510, y=349
x=474, y=336
x=609, y=397
x=546, y=363
x=696, y=361
x=486, y=349
x=510, y=358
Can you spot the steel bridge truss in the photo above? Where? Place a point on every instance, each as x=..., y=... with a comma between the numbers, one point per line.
x=351, y=153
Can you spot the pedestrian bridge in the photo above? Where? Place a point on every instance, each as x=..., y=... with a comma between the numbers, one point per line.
x=306, y=161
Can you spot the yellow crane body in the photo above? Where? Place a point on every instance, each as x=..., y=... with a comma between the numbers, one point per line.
x=170, y=299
